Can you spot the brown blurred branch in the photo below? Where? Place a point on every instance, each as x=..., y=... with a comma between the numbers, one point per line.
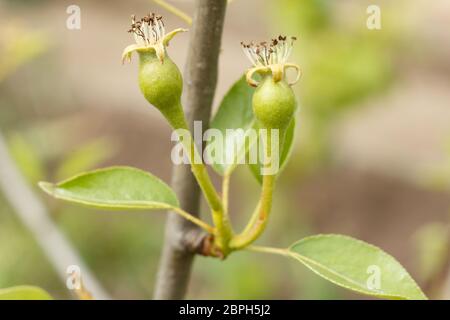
x=35, y=217
x=183, y=239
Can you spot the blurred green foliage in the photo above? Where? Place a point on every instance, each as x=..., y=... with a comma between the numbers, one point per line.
x=24, y=293
x=35, y=166
x=432, y=240
x=18, y=47
x=85, y=157
x=26, y=157
x=432, y=248
x=438, y=176
x=22, y=261
x=343, y=63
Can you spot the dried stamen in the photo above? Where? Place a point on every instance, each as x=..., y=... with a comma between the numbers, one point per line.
x=148, y=30
x=264, y=54
x=270, y=57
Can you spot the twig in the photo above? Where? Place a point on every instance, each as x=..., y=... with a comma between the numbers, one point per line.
x=174, y=10
x=183, y=239
x=282, y=252
x=225, y=193
x=194, y=220
x=34, y=216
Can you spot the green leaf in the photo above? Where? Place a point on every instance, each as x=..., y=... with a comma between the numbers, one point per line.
x=24, y=293
x=255, y=168
x=356, y=265
x=235, y=112
x=115, y=188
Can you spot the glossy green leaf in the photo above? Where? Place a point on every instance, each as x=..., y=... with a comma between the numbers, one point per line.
x=24, y=293
x=235, y=112
x=356, y=265
x=115, y=188
x=255, y=168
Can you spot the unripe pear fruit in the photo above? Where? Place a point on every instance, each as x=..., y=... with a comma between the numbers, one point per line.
x=274, y=104
x=160, y=79
x=160, y=82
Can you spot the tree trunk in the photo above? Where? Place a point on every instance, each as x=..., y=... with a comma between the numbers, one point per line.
x=183, y=239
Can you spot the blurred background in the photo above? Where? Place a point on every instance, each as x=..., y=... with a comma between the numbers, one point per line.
x=371, y=157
